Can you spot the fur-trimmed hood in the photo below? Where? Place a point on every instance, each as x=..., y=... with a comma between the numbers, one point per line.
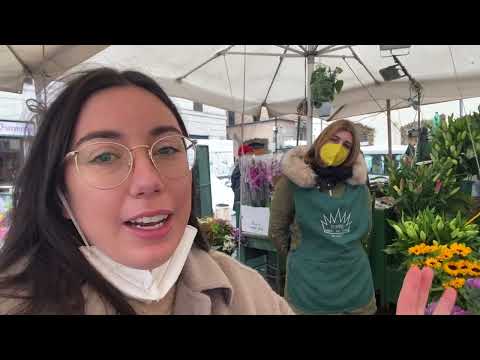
x=294, y=168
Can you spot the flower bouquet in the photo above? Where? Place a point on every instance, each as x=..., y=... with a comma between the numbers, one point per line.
x=259, y=174
x=450, y=247
x=221, y=235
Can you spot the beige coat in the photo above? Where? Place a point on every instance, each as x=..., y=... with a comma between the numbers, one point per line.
x=210, y=284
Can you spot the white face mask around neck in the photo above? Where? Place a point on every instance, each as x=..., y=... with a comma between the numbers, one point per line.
x=141, y=285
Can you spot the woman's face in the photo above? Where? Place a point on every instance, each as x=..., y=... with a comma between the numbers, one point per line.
x=339, y=156
x=111, y=219
x=342, y=137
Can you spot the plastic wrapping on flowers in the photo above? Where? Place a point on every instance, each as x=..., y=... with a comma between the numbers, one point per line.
x=259, y=173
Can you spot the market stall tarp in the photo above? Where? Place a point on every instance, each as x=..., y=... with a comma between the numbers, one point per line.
x=48, y=61
x=446, y=72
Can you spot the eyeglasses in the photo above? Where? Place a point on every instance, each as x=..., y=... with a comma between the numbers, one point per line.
x=105, y=165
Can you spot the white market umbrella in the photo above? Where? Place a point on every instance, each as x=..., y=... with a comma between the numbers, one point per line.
x=42, y=63
x=243, y=78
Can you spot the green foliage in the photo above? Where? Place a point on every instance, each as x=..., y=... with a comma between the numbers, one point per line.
x=429, y=227
x=219, y=233
x=472, y=299
x=435, y=185
x=324, y=85
x=452, y=142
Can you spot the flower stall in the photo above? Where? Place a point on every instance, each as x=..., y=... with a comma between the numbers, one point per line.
x=451, y=248
x=431, y=220
x=259, y=174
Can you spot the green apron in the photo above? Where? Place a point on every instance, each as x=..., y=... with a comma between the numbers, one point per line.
x=329, y=272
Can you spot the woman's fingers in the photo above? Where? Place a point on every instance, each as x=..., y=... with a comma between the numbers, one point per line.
x=446, y=303
x=414, y=294
x=424, y=289
x=408, y=298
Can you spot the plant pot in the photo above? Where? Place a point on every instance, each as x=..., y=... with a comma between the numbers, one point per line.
x=222, y=211
x=323, y=111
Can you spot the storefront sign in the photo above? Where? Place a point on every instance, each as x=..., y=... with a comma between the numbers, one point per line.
x=15, y=128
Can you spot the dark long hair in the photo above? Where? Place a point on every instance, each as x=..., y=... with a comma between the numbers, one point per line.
x=40, y=237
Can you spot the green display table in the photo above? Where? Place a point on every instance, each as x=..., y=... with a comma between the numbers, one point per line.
x=259, y=253
x=386, y=278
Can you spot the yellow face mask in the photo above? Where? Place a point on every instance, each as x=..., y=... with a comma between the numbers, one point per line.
x=333, y=154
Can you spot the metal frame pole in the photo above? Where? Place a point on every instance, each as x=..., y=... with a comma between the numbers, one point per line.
x=418, y=109
x=389, y=125
x=310, y=62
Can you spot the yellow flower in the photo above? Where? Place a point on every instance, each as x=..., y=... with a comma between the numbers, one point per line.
x=463, y=267
x=417, y=249
x=446, y=254
x=455, y=246
x=433, y=263
x=451, y=268
x=428, y=248
x=460, y=249
x=413, y=250
x=457, y=283
x=474, y=269
x=464, y=251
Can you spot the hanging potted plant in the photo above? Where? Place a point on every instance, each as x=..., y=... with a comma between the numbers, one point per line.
x=324, y=86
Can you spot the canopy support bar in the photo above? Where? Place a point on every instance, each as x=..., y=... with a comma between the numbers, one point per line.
x=291, y=49
x=26, y=69
x=364, y=66
x=216, y=55
x=275, y=76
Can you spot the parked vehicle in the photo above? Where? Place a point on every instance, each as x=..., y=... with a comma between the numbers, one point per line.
x=376, y=158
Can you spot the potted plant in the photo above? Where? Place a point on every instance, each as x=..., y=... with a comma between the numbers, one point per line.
x=221, y=235
x=324, y=86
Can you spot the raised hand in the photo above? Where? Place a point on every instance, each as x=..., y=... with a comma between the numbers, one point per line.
x=414, y=294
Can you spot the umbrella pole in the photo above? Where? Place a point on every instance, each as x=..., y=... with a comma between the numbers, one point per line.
x=389, y=125
x=418, y=109
x=310, y=62
x=239, y=225
x=298, y=129
x=39, y=86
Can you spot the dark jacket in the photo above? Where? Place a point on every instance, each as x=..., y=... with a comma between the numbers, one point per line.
x=235, y=182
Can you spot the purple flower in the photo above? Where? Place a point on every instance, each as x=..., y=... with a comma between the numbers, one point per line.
x=430, y=308
x=257, y=175
x=236, y=234
x=474, y=283
x=457, y=310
